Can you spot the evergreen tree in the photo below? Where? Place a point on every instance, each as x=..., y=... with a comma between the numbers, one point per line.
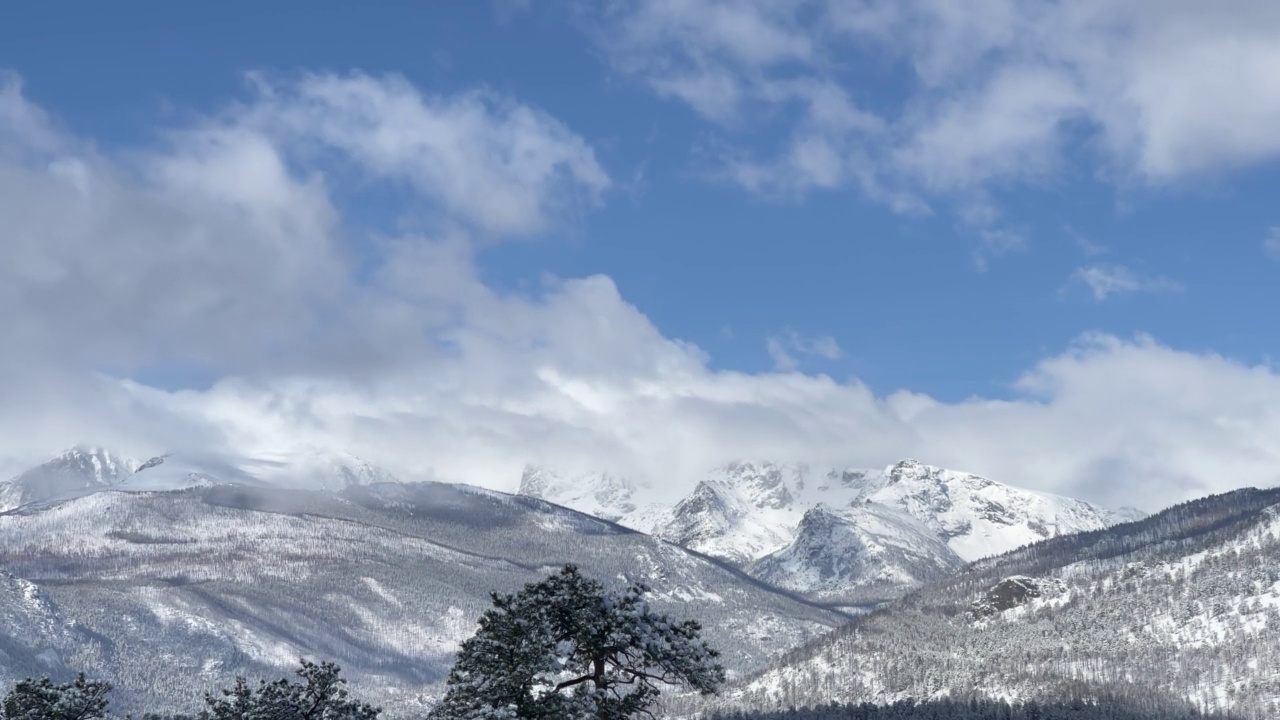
x=567, y=648
x=43, y=700
x=320, y=697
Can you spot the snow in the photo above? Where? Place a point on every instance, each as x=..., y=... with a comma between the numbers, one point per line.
x=79, y=470
x=85, y=470
x=745, y=512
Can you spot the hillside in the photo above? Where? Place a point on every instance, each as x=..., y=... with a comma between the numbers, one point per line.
x=1184, y=604
x=175, y=592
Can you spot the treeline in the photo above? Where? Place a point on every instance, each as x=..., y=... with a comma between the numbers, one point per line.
x=982, y=709
x=319, y=695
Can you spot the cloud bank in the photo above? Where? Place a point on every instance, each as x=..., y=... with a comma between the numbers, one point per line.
x=221, y=289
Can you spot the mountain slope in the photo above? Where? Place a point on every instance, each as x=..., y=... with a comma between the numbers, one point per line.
x=34, y=636
x=1184, y=604
x=76, y=471
x=860, y=556
x=745, y=512
x=978, y=517
x=87, y=469
x=182, y=590
x=599, y=494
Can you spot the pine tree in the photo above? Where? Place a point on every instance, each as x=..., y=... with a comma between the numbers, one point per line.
x=567, y=648
x=43, y=700
x=320, y=697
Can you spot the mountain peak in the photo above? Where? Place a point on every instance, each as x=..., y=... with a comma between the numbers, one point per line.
x=978, y=516
x=859, y=555
x=82, y=468
x=764, y=484
x=906, y=470
x=601, y=494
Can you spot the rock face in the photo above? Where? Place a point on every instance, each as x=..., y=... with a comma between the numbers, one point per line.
x=1014, y=592
x=600, y=494
x=862, y=555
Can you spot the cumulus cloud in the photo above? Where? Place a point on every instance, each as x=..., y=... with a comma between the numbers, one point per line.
x=232, y=248
x=502, y=167
x=995, y=91
x=1120, y=422
x=1104, y=281
x=224, y=245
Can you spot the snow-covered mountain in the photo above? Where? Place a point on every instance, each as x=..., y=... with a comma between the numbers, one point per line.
x=86, y=469
x=173, y=593
x=861, y=555
x=744, y=512
x=600, y=494
x=979, y=517
x=78, y=470
x=1183, y=605
x=177, y=471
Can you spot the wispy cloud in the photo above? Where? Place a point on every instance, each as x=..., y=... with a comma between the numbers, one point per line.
x=1271, y=243
x=1104, y=281
x=784, y=349
x=997, y=92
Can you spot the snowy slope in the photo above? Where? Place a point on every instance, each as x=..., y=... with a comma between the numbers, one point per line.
x=745, y=511
x=34, y=636
x=177, y=471
x=78, y=470
x=860, y=555
x=600, y=494
x=186, y=589
x=84, y=470
x=979, y=517
x=1183, y=604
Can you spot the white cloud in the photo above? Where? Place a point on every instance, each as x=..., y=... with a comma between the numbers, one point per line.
x=996, y=91
x=1117, y=422
x=222, y=250
x=1104, y=281
x=784, y=348
x=503, y=167
x=227, y=249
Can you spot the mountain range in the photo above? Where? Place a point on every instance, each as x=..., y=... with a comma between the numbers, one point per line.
x=1183, y=605
x=850, y=536
x=170, y=581
x=86, y=469
x=172, y=575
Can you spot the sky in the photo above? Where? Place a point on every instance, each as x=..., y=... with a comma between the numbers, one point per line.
x=1036, y=241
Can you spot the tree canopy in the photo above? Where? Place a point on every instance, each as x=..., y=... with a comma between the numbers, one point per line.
x=320, y=696
x=566, y=647
x=43, y=699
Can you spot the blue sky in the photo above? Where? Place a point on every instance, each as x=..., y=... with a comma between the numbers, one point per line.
x=895, y=196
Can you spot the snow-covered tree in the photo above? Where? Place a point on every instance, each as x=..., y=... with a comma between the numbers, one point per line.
x=321, y=696
x=566, y=647
x=44, y=700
